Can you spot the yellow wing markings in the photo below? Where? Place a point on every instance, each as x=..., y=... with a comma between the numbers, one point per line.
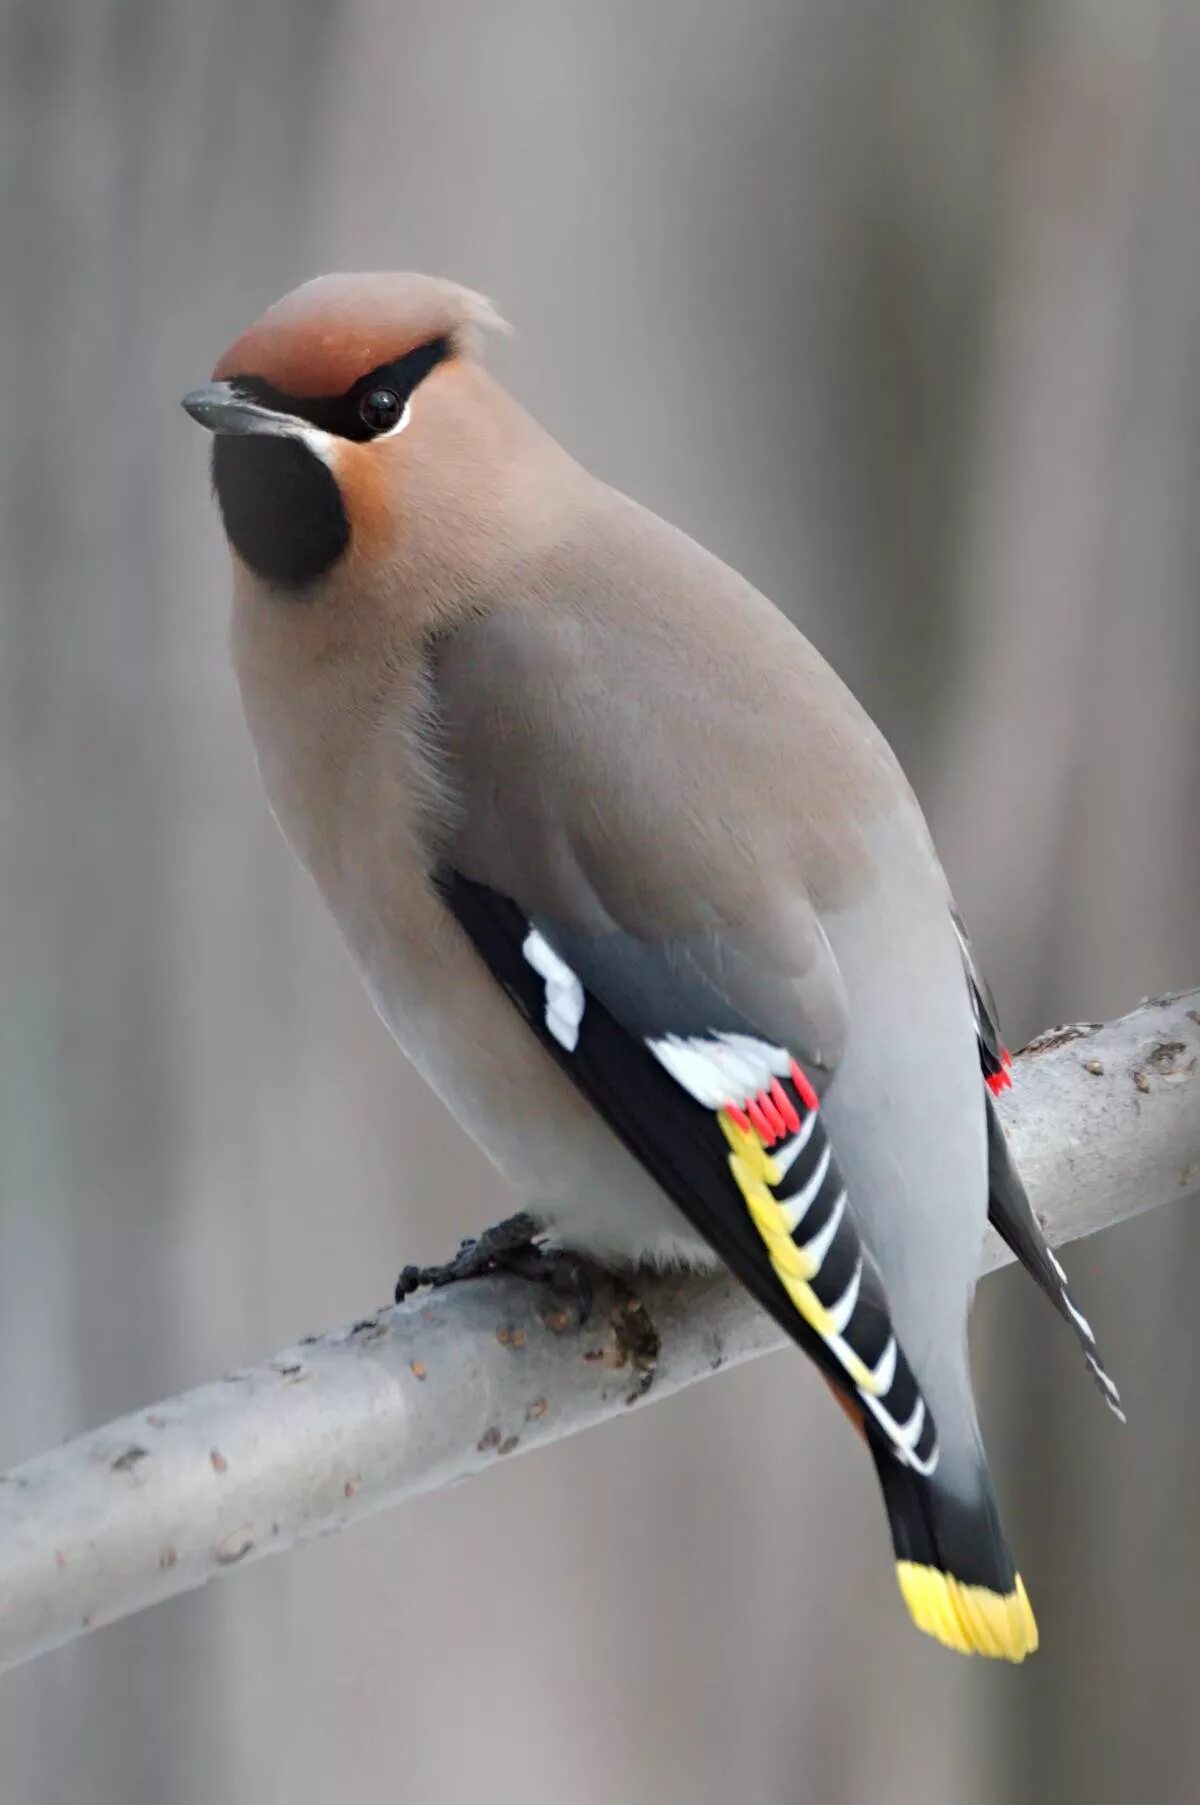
x=754, y=1171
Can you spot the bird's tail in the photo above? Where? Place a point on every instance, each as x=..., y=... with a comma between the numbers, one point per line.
x=953, y=1564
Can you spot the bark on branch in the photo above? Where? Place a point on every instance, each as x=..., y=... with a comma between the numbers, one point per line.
x=1105, y=1123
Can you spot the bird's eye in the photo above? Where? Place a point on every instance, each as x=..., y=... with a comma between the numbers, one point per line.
x=380, y=409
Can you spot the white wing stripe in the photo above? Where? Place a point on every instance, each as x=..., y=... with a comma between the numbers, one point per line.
x=796, y=1207
x=884, y=1370
x=909, y=1434
x=722, y=1068
x=841, y=1312
x=787, y=1155
x=822, y=1241
x=564, y=993
x=904, y=1440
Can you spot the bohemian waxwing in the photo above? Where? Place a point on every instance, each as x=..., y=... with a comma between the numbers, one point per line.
x=631, y=877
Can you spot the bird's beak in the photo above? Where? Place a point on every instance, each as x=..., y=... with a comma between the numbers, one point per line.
x=219, y=407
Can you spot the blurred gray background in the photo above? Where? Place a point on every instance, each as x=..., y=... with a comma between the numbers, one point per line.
x=896, y=306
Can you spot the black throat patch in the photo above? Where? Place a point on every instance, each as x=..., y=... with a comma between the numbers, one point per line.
x=283, y=511
x=282, y=508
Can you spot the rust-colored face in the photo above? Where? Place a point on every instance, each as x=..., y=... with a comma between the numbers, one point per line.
x=302, y=403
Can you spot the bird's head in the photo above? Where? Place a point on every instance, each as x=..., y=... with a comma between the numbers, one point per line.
x=329, y=410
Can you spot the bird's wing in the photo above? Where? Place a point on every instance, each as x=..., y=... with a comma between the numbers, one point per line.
x=1009, y=1209
x=726, y=1121
x=994, y=1056
x=701, y=1026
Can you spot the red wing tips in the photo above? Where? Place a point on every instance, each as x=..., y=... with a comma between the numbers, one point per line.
x=759, y=1114
x=1006, y=1058
x=998, y=1081
x=804, y=1089
x=785, y=1106
x=771, y=1113
x=760, y=1109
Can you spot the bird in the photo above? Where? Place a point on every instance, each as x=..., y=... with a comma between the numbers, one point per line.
x=631, y=877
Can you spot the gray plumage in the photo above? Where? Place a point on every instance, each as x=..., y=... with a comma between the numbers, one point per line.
x=497, y=673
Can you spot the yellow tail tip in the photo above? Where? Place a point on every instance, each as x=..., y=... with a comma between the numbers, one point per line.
x=970, y=1619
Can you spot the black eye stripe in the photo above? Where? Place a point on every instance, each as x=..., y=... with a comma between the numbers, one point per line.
x=340, y=414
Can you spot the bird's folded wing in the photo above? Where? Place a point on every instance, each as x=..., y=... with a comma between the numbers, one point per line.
x=1009, y=1208
x=725, y=1119
x=994, y=1056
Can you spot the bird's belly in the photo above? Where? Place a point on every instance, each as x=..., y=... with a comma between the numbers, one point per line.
x=540, y=1132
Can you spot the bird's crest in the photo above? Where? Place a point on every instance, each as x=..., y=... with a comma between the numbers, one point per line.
x=320, y=339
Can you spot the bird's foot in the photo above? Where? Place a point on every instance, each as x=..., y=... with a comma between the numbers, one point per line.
x=510, y=1246
x=566, y=1273
x=475, y=1257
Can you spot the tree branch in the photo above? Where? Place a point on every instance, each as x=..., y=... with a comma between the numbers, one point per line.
x=1105, y=1123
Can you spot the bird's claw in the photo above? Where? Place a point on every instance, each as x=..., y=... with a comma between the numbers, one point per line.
x=566, y=1273
x=510, y=1246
